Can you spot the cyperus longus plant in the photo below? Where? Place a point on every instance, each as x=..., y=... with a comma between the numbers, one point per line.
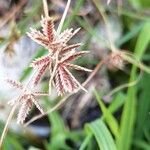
x=57, y=62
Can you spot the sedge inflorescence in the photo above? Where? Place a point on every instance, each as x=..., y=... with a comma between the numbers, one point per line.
x=57, y=62
x=59, y=56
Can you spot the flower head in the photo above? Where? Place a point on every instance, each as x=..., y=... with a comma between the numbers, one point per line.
x=60, y=54
x=26, y=100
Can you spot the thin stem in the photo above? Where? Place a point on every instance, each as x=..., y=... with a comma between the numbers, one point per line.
x=45, y=7
x=98, y=66
x=103, y=14
x=133, y=60
x=53, y=73
x=6, y=125
x=124, y=86
x=13, y=109
x=63, y=17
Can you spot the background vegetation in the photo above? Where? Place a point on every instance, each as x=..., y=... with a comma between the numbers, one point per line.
x=93, y=120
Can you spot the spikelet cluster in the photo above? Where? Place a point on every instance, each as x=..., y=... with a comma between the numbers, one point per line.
x=116, y=60
x=57, y=44
x=26, y=100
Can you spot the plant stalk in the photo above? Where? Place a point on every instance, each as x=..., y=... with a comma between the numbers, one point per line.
x=6, y=125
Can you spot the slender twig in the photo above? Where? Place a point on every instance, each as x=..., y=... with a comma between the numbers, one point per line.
x=63, y=17
x=45, y=7
x=98, y=66
x=53, y=72
x=6, y=125
x=121, y=87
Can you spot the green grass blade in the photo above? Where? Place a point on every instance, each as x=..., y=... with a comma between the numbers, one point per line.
x=143, y=40
x=85, y=142
x=101, y=134
x=110, y=119
x=134, y=31
x=57, y=123
x=129, y=110
x=143, y=107
x=117, y=102
x=142, y=145
x=58, y=132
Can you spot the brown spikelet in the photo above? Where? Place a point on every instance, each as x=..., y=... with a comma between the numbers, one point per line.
x=73, y=56
x=36, y=103
x=47, y=37
x=69, y=48
x=14, y=83
x=59, y=86
x=38, y=37
x=67, y=81
x=26, y=102
x=42, y=41
x=67, y=35
x=76, y=67
x=53, y=47
x=40, y=61
x=48, y=28
x=24, y=110
x=40, y=73
x=74, y=79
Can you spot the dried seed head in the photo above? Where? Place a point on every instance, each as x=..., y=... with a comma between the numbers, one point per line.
x=25, y=100
x=116, y=61
x=57, y=45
